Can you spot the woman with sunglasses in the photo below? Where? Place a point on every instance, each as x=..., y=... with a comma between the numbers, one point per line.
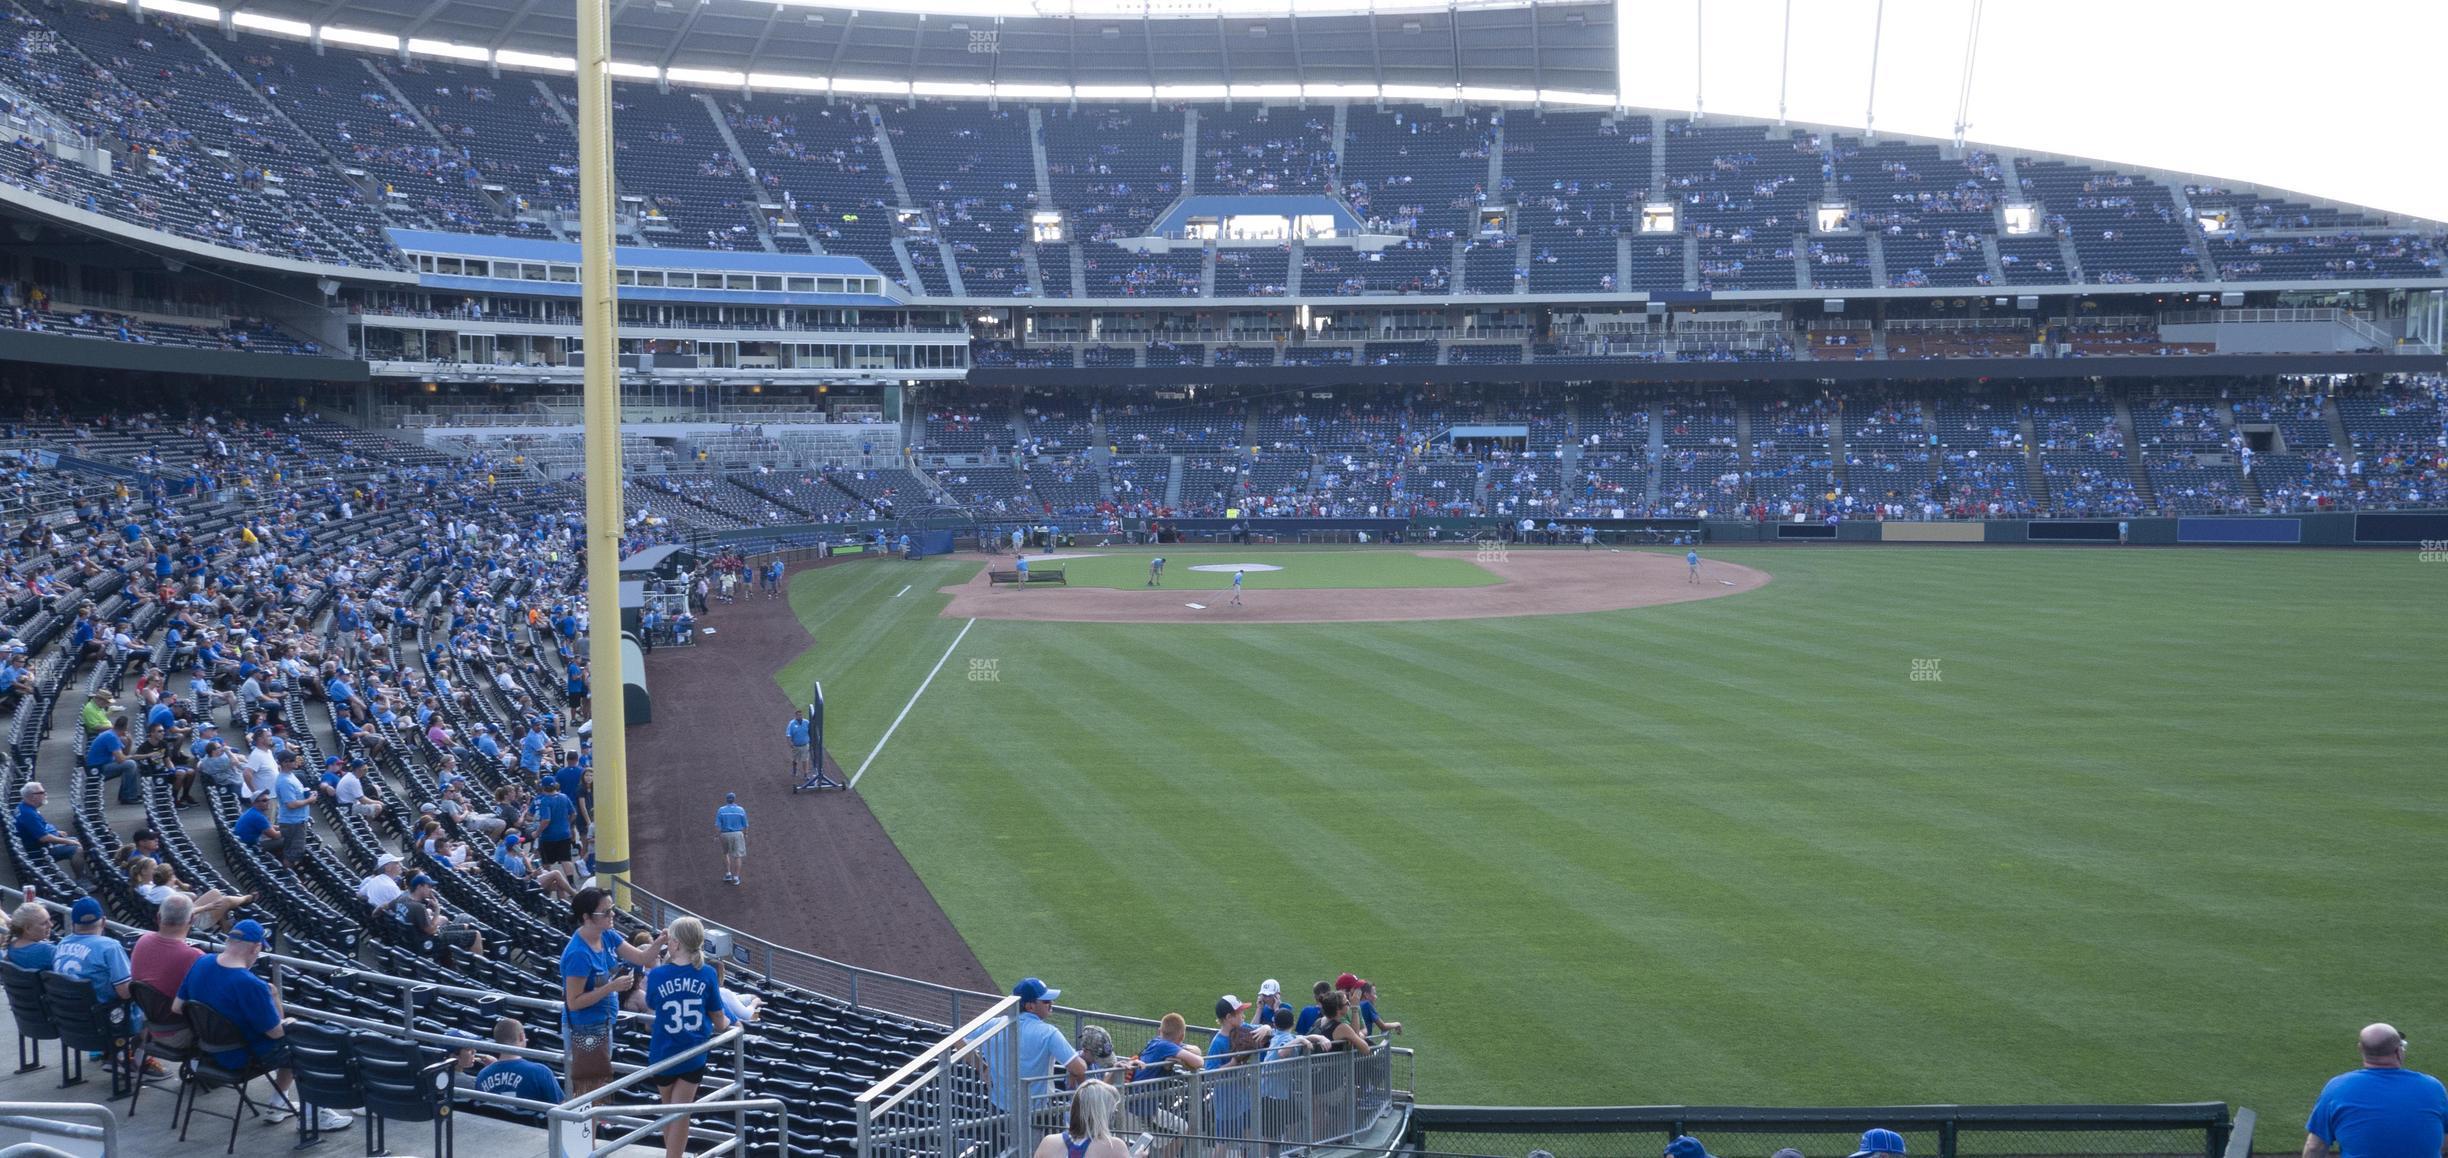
x=593, y=980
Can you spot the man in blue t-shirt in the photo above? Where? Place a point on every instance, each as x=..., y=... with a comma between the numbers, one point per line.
x=552, y=811
x=107, y=758
x=226, y=983
x=731, y=822
x=1044, y=1051
x=35, y=833
x=517, y=1077
x=90, y=954
x=2383, y=1110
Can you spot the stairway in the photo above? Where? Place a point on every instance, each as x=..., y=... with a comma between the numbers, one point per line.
x=1878, y=260
x=2135, y=467
x=1837, y=465
x=1173, y=481
x=747, y=168
x=2035, y=480
x=1989, y=255
x=1657, y=456
x=1691, y=262
x=1189, y=157
x=2338, y=437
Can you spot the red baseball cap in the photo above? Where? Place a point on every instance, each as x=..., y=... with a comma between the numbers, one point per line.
x=1349, y=981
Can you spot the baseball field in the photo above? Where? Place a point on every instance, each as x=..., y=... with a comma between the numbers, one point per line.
x=1879, y=826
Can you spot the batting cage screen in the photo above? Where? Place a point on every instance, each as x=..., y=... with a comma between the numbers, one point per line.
x=2182, y=1130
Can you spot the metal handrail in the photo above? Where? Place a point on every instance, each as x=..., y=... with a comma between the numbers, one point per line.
x=44, y=1118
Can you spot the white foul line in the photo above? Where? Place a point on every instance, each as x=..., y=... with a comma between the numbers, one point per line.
x=913, y=702
x=904, y=590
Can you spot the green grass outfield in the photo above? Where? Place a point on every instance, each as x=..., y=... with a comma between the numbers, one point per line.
x=2168, y=825
x=1302, y=567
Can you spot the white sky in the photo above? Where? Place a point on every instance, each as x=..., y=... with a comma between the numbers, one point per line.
x=2339, y=99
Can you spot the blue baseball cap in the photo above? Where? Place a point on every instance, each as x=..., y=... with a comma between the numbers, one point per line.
x=1031, y=989
x=1879, y=1142
x=730, y=797
x=249, y=931
x=1686, y=1146
x=85, y=911
x=419, y=879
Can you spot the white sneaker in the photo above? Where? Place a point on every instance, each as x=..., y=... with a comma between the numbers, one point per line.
x=333, y=1120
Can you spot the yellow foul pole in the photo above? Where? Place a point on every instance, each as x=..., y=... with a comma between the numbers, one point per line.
x=603, y=448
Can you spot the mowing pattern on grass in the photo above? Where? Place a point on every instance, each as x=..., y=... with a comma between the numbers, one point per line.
x=1904, y=826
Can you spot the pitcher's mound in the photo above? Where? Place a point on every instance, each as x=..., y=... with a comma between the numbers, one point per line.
x=1559, y=582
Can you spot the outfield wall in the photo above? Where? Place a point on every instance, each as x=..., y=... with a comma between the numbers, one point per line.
x=2344, y=529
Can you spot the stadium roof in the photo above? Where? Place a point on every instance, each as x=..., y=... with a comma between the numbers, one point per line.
x=1521, y=48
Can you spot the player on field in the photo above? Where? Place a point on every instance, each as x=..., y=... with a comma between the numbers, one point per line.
x=797, y=731
x=1155, y=570
x=1691, y=563
x=1237, y=577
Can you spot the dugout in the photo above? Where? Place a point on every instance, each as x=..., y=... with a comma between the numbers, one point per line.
x=665, y=562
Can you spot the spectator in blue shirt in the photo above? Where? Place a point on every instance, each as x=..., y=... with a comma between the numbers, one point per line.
x=531, y=749
x=107, y=758
x=2382, y=1110
x=731, y=821
x=553, y=833
x=36, y=833
x=517, y=1077
x=1043, y=1051
x=227, y=983
x=255, y=824
x=90, y=954
x=29, y=937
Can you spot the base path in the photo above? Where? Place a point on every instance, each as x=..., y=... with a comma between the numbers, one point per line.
x=1535, y=582
x=822, y=876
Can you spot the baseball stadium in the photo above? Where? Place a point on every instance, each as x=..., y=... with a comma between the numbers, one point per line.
x=1495, y=578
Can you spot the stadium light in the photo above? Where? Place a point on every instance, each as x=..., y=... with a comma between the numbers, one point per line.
x=1113, y=92
x=184, y=8
x=879, y=87
x=788, y=82
x=715, y=77
x=629, y=71
x=512, y=58
x=272, y=24
x=359, y=37
x=946, y=88
x=444, y=48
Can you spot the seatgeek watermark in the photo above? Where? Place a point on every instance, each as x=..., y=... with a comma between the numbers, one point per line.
x=2432, y=551
x=1925, y=671
x=1490, y=550
x=985, y=671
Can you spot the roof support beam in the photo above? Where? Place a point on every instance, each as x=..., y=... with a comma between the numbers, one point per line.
x=681, y=37
x=424, y=18
x=833, y=67
x=1538, y=73
x=758, y=50
x=510, y=27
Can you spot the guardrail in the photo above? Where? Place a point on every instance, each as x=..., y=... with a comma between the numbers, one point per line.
x=965, y=1095
x=45, y=1118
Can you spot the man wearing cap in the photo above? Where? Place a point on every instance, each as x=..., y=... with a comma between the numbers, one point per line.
x=90, y=954
x=1232, y=1046
x=96, y=716
x=261, y=765
x=1270, y=999
x=254, y=827
x=289, y=791
x=554, y=835
x=731, y=821
x=1686, y=1146
x=1876, y=1143
x=38, y=834
x=2382, y=1110
x=227, y=984
x=1043, y=1051
x=383, y=887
